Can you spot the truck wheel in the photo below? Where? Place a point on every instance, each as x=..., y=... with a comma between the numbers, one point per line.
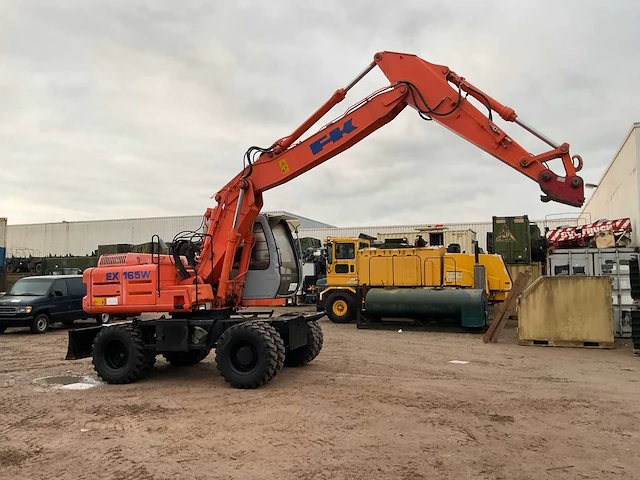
x=340, y=307
x=11, y=268
x=103, y=318
x=249, y=354
x=40, y=323
x=303, y=355
x=119, y=355
x=185, y=359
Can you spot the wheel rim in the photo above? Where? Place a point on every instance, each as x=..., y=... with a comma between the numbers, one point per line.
x=244, y=357
x=41, y=324
x=115, y=354
x=339, y=307
x=104, y=317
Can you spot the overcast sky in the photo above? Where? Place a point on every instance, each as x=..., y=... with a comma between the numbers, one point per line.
x=118, y=109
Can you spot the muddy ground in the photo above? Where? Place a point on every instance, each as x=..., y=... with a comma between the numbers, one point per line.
x=374, y=404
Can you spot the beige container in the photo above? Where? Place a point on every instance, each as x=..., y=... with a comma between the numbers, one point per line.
x=573, y=311
x=535, y=269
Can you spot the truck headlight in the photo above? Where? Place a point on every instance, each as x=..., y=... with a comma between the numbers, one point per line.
x=25, y=309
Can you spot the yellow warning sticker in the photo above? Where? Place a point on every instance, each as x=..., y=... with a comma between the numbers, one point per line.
x=284, y=166
x=98, y=301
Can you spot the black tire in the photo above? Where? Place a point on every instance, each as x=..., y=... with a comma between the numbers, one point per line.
x=40, y=323
x=340, y=306
x=185, y=359
x=2, y=328
x=303, y=355
x=11, y=267
x=38, y=268
x=281, y=351
x=119, y=355
x=249, y=354
x=103, y=318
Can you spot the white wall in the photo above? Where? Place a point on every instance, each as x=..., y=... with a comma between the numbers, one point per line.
x=617, y=193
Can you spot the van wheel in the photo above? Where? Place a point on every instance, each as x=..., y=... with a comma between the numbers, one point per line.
x=340, y=307
x=103, y=318
x=40, y=324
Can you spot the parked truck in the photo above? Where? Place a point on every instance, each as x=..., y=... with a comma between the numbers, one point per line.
x=355, y=266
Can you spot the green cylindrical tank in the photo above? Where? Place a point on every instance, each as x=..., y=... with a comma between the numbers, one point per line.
x=466, y=307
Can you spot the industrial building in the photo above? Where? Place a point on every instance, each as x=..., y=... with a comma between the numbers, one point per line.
x=616, y=194
x=83, y=238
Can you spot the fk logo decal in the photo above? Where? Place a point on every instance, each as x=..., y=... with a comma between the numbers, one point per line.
x=334, y=135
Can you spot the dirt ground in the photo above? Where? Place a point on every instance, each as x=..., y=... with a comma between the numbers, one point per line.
x=374, y=404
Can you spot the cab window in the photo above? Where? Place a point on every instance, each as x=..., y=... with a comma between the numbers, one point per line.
x=260, y=259
x=345, y=251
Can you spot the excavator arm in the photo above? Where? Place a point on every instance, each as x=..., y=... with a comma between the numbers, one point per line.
x=436, y=92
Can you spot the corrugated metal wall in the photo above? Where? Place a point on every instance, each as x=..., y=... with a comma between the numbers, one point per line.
x=82, y=238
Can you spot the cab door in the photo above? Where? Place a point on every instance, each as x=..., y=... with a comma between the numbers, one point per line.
x=60, y=302
x=343, y=263
x=77, y=290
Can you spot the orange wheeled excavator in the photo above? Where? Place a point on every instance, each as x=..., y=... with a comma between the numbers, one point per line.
x=241, y=257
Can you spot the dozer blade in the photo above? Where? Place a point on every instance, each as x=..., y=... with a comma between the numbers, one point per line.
x=81, y=342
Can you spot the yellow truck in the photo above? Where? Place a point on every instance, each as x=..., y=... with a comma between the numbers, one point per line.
x=356, y=266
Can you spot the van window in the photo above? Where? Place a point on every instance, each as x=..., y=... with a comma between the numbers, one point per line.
x=31, y=287
x=60, y=286
x=76, y=286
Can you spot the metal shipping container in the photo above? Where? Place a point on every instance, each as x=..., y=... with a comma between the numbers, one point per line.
x=596, y=262
x=535, y=270
x=512, y=238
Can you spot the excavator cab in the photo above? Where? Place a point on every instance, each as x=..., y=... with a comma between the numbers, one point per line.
x=274, y=268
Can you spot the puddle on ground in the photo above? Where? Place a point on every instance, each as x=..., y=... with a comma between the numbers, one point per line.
x=69, y=382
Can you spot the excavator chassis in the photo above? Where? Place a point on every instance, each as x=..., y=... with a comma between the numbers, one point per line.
x=250, y=349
